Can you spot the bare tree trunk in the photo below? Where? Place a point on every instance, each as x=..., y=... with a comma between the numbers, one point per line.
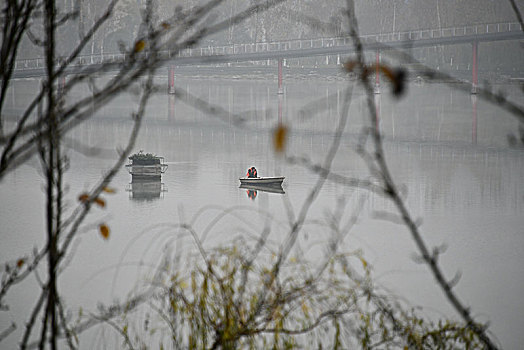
x=53, y=168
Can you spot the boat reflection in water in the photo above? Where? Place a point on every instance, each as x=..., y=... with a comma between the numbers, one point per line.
x=145, y=190
x=252, y=190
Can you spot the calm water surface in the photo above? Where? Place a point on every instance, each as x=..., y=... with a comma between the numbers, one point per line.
x=449, y=149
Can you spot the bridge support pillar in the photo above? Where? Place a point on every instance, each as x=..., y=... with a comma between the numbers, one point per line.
x=474, y=121
x=171, y=80
x=377, y=75
x=280, y=109
x=474, y=68
x=377, y=110
x=171, y=108
x=280, y=89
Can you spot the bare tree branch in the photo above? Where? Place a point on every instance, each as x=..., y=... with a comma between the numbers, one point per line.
x=392, y=192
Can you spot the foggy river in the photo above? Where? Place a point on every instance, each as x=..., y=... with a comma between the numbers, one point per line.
x=449, y=148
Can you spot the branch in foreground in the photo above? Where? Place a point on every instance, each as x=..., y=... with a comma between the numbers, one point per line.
x=391, y=190
x=105, y=314
x=5, y=333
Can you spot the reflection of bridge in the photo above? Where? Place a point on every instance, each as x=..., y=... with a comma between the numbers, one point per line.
x=300, y=48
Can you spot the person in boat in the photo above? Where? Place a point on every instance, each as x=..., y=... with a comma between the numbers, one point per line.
x=252, y=172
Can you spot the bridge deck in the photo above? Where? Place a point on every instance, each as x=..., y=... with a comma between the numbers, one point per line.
x=293, y=48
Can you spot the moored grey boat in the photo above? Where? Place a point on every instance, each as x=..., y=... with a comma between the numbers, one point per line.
x=146, y=166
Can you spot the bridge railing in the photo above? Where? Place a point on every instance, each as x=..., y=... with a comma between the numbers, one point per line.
x=287, y=45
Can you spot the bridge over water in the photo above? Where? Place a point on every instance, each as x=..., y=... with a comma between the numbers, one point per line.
x=298, y=48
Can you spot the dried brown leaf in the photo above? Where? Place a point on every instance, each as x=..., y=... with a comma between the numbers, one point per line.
x=350, y=65
x=140, y=45
x=109, y=190
x=279, y=138
x=100, y=202
x=104, y=231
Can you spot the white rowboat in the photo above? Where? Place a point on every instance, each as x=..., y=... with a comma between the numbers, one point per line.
x=262, y=181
